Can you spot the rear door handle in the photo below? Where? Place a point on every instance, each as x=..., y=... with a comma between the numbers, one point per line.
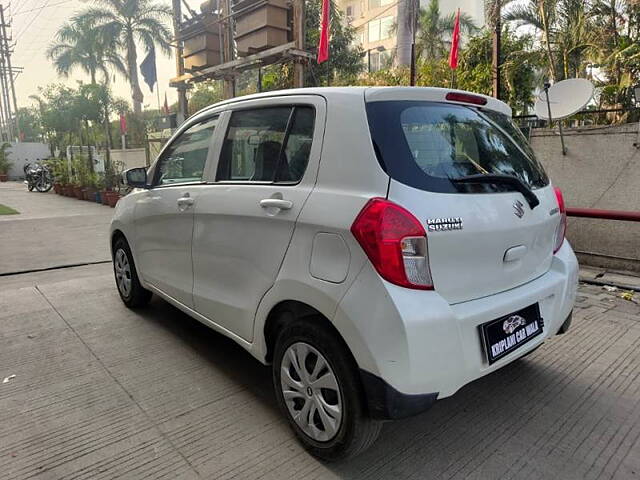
x=276, y=203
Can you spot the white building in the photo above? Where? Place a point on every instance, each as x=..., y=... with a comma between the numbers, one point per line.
x=373, y=21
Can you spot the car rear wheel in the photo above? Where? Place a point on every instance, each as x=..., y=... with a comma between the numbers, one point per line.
x=132, y=293
x=318, y=388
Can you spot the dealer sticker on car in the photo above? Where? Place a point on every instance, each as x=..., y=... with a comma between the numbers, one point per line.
x=506, y=334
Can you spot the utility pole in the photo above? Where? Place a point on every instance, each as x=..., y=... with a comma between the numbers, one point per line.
x=6, y=106
x=415, y=8
x=183, y=107
x=8, y=70
x=496, y=53
x=298, y=36
x=228, y=82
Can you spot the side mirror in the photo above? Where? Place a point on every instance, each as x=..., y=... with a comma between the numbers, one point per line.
x=135, y=177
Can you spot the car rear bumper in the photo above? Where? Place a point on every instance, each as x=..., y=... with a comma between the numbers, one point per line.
x=418, y=344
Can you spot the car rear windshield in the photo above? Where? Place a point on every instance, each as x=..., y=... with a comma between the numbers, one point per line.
x=426, y=145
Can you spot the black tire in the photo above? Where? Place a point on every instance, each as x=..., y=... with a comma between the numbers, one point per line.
x=44, y=185
x=30, y=186
x=357, y=431
x=136, y=296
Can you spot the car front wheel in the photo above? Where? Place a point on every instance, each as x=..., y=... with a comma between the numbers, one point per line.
x=132, y=293
x=318, y=389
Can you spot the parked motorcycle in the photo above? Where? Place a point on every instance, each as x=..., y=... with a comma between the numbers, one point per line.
x=38, y=176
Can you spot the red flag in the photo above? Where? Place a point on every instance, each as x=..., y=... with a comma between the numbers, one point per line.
x=455, y=43
x=166, y=105
x=123, y=124
x=323, y=44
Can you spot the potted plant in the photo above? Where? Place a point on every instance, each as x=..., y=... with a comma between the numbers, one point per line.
x=99, y=187
x=60, y=175
x=5, y=164
x=80, y=175
x=90, y=190
x=112, y=198
x=109, y=196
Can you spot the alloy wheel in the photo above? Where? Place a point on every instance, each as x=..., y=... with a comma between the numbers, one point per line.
x=123, y=272
x=311, y=391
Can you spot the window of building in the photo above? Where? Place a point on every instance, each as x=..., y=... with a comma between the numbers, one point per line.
x=379, y=3
x=349, y=11
x=378, y=60
x=380, y=28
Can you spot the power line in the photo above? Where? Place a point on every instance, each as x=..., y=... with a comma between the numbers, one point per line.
x=32, y=20
x=20, y=7
x=40, y=8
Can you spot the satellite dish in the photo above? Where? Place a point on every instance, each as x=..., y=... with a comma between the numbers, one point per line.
x=565, y=98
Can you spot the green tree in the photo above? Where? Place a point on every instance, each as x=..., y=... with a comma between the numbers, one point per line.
x=205, y=94
x=345, y=60
x=128, y=22
x=519, y=62
x=30, y=124
x=567, y=31
x=79, y=45
x=433, y=37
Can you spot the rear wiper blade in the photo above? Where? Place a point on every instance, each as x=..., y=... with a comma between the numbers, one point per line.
x=497, y=179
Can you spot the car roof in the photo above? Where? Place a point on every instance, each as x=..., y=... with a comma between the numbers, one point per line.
x=370, y=94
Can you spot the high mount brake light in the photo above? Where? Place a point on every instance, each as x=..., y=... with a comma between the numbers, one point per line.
x=466, y=98
x=562, y=226
x=395, y=242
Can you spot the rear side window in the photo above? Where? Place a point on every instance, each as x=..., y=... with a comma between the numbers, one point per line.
x=184, y=160
x=267, y=145
x=426, y=144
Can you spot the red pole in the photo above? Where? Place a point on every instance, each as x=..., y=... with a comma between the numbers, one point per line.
x=604, y=214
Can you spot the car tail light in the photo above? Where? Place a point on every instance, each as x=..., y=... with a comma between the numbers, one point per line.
x=395, y=242
x=562, y=227
x=466, y=98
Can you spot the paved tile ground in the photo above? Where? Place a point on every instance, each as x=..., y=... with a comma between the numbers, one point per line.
x=48, y=224
x=104, y=392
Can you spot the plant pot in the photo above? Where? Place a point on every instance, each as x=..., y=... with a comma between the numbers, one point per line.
x=56, y=188
x=112, y=198
x=103, y=196
x=90, y=194
x=98, y=196
x=4, y=177
x=77, y=191
x=68, y=191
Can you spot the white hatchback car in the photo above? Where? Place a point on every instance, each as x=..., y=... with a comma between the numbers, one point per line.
x=380, y=247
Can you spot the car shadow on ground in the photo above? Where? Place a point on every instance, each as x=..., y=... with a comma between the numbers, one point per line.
x=494, y=423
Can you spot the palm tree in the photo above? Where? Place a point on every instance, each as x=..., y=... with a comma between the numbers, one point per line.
x=568, y=32
x=433, y=33
x=78, y=45
x=433, y=38
x=128, y=21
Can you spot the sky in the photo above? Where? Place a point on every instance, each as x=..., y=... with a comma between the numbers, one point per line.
x=34, y=24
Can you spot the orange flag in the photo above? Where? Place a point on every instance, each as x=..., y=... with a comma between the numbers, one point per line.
x=455, y=43
x=323, y=44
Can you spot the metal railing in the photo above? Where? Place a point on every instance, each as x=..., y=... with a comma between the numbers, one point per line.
x=621, y=215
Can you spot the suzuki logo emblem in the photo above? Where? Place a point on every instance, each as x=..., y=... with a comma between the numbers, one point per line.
x=518, y=206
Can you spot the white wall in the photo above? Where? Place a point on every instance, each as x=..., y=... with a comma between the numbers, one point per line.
x=130, y=158
x=601, y=171
x=25, y=152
